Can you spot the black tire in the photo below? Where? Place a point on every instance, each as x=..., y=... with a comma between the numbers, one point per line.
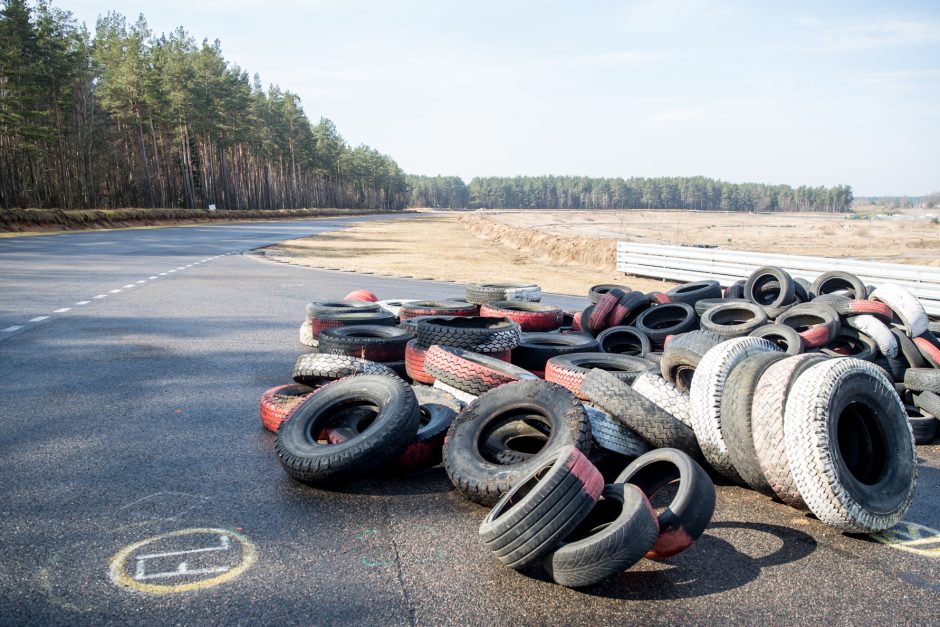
x=315, y=369
x=624, y=340
x=483, y=479
x=909, y=350
x=803, y=290
x=707, y=303
x=682, y=356
x=927, y=403
x=544, y=506
x=515, y=442
x=922, y=380
x=645, y=418
x=757, y=287
x=735, y=290
x=586, y=320
x=841, y=283
x=536, y=349
x=783, y=336
x=850, y=445
x=736, y=410
x=691, y=509
x=472, y=333
x=393, y=428
x=817, y=323
x=669, y=319
x=733, y=319
x=620, y=529
x=378, y=343
x=850, y=343
x=691, y=293
x=924, y=428
x=596, y=291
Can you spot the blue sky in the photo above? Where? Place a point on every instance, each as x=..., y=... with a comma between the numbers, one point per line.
x=815, y=93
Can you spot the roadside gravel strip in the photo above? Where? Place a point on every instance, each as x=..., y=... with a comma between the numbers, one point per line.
x=131, y=434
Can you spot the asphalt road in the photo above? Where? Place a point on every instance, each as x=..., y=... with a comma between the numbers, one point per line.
x=133, y=418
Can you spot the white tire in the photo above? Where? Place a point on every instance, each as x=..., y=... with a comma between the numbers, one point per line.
x=876, y=330
x=706, y=392
x=905, y=305
x=306, y=335
x=460, y=395
x=665, y=395
x=850, y=446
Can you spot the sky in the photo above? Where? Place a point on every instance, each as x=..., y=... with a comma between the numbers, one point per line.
x=802, y=93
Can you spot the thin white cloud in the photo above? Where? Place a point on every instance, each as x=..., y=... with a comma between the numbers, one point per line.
x=886, y=33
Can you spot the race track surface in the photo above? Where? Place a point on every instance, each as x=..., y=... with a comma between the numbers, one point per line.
x=131, y=363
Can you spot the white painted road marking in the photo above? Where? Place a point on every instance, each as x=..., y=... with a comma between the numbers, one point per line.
x=163, y=274
x=127, y=287
x=114, y=291
x=12, y=329
x=142, y=281
x=38, y=318
x=63, y=310
x=153, y=277
x=100, y=296
x=83, y=302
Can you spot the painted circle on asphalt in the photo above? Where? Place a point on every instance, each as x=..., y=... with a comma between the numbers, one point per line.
x=182, y=561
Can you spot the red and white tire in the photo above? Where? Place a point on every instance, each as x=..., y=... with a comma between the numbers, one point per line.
x=530, y=316
x=415, y=354
x=905, y=306
x=471, y=372
x=277, y=404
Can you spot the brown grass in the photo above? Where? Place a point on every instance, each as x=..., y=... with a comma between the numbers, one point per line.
x=443, y=247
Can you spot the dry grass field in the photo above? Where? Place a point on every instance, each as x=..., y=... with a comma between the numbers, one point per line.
x=567, y=251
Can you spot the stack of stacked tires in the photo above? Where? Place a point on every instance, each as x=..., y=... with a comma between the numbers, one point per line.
x=812, y=393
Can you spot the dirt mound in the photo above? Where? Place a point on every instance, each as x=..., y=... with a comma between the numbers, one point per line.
x=588, y=253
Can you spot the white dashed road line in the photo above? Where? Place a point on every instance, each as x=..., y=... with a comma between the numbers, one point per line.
x=14, y=328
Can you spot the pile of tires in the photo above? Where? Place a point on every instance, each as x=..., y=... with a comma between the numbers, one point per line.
x=567, y=423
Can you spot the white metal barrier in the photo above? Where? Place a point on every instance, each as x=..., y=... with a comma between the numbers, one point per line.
x=686, y=263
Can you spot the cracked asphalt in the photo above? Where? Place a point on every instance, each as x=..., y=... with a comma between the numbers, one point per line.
x=139, y=488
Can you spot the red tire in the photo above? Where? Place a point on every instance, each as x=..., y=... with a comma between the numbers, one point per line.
x=277, y=404
x=602, y=309
x=859, y=307
x=659, y=298
x=929, y=350
x=436, y=308
x=816, y=337
x=530, y=316
x=576, y=322
x=365, y=295
x=471, y=372
x=414, y=363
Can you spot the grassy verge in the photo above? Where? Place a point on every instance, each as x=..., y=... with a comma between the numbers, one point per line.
x=21, y=221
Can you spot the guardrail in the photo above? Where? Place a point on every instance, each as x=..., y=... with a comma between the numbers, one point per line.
x=685, y=263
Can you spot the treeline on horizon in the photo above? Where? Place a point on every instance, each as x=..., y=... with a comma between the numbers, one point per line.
x=123, y=118
x=581, y=192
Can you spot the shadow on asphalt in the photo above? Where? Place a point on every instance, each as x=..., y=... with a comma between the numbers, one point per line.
x=687, y=575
